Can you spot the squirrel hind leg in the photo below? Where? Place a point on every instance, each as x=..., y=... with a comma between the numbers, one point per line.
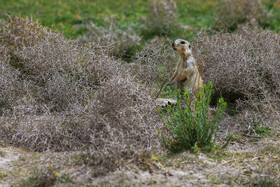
x=181, y=85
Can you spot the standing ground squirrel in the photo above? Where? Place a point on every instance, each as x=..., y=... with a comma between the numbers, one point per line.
x=186, y=72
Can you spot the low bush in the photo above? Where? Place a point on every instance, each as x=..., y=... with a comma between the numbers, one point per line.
x=8, y=82
x=155, y=62
x=45, y=132
x=60, y=96
x=244, y=68
x=125, y=122
x=18, y=33
x=162, y=19
x=53, y=73
x=232, y=13
x=119, y=43
x=189, y=123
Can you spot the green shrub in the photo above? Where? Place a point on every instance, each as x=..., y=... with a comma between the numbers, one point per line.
x=188, y=122
x=257, y=128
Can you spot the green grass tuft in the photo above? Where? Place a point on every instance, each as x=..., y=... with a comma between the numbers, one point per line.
x=189, y=125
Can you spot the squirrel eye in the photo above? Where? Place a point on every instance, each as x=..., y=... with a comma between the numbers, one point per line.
x=182, y=42
x=189, y=46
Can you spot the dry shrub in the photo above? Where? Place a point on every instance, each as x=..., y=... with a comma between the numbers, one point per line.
x=119, y=43
x=155, y=62
x=162, y=18
x=119, y=126
x=234, y=12
x=64, y=97
x=44, y=79
x=46, y=132
x=8, y=82
x=126, y=122
x=54, y=72
x=244, y=68
x=18, y=33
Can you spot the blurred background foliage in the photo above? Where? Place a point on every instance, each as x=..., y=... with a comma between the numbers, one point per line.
x=69, y=16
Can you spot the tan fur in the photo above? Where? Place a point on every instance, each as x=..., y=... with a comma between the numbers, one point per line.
x=186, y=72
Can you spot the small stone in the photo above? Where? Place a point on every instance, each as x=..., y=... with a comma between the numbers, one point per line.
x=165, y=101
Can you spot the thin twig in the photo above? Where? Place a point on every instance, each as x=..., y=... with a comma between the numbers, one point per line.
x=225, y=163
x=161, y=88
x=251, y=136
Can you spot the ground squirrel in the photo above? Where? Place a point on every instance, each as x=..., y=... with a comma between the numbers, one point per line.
x=186, y=72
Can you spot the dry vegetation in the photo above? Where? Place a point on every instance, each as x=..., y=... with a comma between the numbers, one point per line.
x=235, y=12
x=162, y=18
x=92, y=95
x=244, y=68
x=58, y=96
x=119, y=43
x=155, y=62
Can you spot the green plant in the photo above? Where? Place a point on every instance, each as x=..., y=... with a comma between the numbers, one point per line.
x=45, y=177
x=265, y=182
x=189, y=123
x=260, y=129
x=2, y=154
x=216, y=181
x=168, y=92
x=2, y=175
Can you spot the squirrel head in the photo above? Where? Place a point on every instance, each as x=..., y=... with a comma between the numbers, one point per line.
x=182, y=47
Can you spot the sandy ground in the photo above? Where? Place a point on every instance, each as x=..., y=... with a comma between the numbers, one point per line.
x=244, y=162
x=8, y=155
